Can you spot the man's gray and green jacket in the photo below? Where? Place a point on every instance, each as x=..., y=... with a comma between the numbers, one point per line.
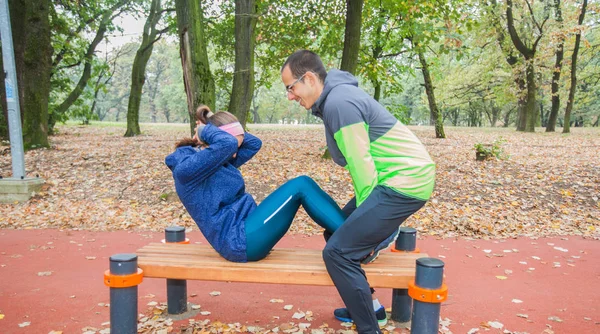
x=370, y=143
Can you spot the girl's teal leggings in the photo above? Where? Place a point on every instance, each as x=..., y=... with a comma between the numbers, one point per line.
x=273, y=217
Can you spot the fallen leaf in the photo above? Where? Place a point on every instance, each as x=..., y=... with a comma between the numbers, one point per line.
x=215, y=293
x=288, y=307
x=517, y=301
x=24, y=324
x=44, y=273
x=501, y=277
x=555, y=318
x=298, y=315
x=495, y=324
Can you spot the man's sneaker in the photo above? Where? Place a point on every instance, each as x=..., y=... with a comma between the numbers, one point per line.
x=343, y=315
x=385, y=244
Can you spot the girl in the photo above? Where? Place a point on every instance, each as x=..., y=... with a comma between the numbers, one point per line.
x=211, y=188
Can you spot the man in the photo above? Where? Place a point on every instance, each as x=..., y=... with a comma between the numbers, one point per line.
x=392, y=174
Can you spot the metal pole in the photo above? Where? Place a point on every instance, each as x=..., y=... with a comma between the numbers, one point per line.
x=426, y=316
x=12, y=94
x=401, y=301
x=123, y=301
x=176, y=288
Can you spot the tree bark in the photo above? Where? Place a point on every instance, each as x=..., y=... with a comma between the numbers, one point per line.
x=3, y=104
x=242, y=89
x=437, y=116
x=376, y=53
x=512, y=60
x=528, y=114
x=254, y=108
x=551, y=126
x=33, y=56
x=197, y=78
x=352, y=35
x=571, y=100
x=530, y=111
x=138, y=70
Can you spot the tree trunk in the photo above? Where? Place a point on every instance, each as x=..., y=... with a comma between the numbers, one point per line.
x=530, y=111
x=571, y=100
x=33, y=55
x=97, y=87
x=528, y=114
x=377, y=92
x=3, y=104
x=495, y=114
x=376, y=54
x=437, y=116
x=197, y=78
x=242, y=89
x=138, y=70
x=352, y=35
x=551, y=126
x=254, y=108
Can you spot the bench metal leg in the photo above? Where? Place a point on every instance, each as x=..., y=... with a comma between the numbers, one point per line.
x=401, y=301
x=176, y=289
x=123, y=279
x=428, y=292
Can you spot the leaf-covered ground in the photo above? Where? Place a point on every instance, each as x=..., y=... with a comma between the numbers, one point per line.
x=98, y=180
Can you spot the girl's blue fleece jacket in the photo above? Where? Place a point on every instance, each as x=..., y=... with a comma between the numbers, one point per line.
x=212, y=189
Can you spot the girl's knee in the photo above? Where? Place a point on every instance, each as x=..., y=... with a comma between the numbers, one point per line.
x=302, y=181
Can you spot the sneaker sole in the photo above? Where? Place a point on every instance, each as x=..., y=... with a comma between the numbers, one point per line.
x=381, y=323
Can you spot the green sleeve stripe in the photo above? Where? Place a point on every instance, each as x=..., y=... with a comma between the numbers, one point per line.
x=353, y=141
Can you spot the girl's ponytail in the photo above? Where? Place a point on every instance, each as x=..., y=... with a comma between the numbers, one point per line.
x=203, y=114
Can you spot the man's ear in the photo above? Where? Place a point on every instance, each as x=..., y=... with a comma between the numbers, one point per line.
x=312, y=77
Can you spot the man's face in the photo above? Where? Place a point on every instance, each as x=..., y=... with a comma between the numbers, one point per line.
x=304, y=91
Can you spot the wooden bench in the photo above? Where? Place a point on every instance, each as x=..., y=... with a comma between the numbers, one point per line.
x=179, y=261
x=282, y=266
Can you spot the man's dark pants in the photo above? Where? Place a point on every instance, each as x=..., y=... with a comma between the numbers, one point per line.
x=367, y=226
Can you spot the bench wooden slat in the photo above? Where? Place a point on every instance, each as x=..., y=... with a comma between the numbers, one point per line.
x=282, y=266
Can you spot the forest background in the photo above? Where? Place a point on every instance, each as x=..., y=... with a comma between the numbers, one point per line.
x=479, y=68
x=515, y=63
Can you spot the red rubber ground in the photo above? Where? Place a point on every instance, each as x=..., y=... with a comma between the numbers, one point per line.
x=557, y=284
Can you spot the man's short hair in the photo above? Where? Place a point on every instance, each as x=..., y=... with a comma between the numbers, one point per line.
x=303, y=61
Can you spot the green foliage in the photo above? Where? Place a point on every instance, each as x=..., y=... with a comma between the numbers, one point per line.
x=401, y=112
x=488, y=151
x=474, y=84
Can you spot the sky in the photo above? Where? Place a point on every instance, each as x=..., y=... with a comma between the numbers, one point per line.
x=132, y=30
